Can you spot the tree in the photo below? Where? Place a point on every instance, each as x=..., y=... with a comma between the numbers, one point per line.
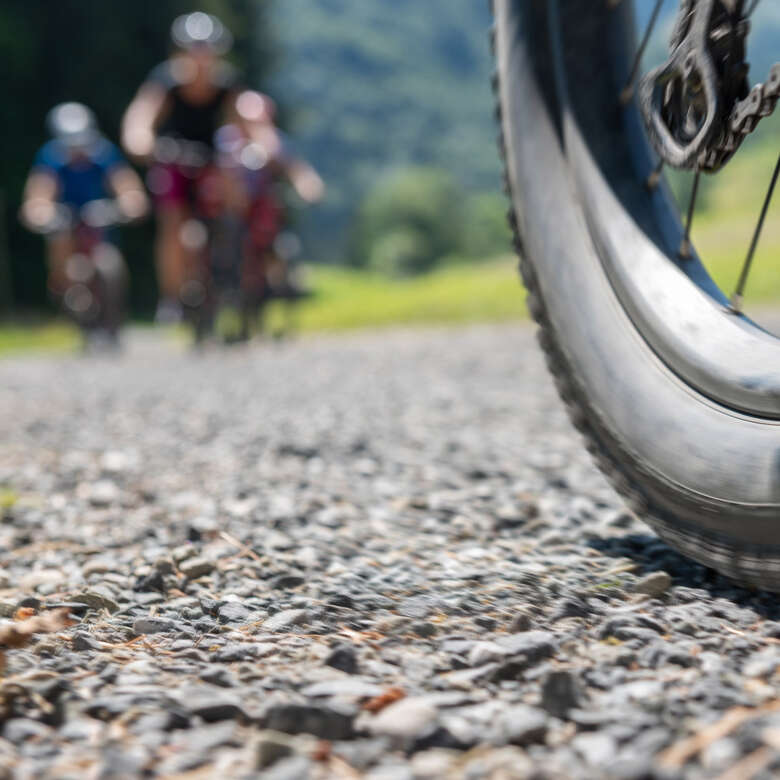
x=408, y=221
x=98, y=53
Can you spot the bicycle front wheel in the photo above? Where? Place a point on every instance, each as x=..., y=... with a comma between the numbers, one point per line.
x=678, y=398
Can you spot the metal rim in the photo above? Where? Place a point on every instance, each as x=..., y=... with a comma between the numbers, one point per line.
x=673, y=302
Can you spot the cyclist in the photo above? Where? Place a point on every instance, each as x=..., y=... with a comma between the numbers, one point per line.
x=267, y=248
x=179, y=107
x=78, y=167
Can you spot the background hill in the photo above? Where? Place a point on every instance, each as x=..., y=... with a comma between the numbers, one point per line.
x=385, y=84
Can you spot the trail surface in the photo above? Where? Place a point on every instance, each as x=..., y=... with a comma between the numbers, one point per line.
x=383, y=555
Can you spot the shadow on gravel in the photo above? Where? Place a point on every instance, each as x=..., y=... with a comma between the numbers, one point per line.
x=652, y=554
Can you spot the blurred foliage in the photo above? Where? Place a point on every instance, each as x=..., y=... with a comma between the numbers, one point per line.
x=98, y=53
x=401, y=252
x=407, y=222
x=383, y=84
x=485, y=231
x=417, y=217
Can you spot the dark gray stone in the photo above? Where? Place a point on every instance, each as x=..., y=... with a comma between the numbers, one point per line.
x=321, y=721
x=561, y=692
x=153, y=625
x=343, y=658
x=233, y=612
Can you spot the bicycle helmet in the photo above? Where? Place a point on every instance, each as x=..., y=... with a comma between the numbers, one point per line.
x=197, y=29
x=73, y=124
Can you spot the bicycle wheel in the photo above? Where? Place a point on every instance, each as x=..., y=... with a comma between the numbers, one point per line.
x=678, y=397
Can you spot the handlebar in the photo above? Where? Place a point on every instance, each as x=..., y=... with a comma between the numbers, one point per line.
x=96, y=214
x=169, y=150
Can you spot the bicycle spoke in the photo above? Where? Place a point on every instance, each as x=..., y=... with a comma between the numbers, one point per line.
x=628, y=91
x=685, y=246
x=736, y=298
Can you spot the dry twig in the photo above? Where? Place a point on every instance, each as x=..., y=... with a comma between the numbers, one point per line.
x=750, y=765
x=378, y=703
x=679, y=754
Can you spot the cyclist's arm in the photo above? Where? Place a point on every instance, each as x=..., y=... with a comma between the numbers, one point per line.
x=129, y=191
x=141, y=119
x=305, y=180
x=246, y=110
x=39, y=203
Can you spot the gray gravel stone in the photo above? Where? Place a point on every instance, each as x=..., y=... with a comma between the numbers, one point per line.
x=351, y=687
x=233, y=613
x=406, y=719
x=273, y=746
x=153, y=625
x=522, y=725
x=378, y=540
x=96, y=601
x=561, y=693
x=319, y=720
x=344, y=659
x=195, y=567
x=597, y=749
x=654, y=584
x=285, y=620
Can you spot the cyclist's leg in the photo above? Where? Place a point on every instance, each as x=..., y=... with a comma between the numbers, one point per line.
x=59, y=247
x=171, y=259
x=170, y=188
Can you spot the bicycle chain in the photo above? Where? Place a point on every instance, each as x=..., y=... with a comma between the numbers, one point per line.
x=744, y=119
x=706, y=74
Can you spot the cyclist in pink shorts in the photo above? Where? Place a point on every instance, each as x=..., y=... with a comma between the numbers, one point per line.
x=171, y=126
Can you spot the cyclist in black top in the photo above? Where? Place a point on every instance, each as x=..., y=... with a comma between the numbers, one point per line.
x=171, y=125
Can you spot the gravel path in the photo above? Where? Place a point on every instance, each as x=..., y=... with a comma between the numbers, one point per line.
x=383, y=555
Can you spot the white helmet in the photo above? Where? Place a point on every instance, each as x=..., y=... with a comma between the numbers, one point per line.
x=73, y=123
x=201, y=29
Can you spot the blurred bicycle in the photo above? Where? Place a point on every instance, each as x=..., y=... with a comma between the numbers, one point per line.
x=257, y=261
x=79, y=190
x=94, y=275
x=185, y=170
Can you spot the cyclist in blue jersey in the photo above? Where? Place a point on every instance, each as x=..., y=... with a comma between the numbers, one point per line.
x=79, y=172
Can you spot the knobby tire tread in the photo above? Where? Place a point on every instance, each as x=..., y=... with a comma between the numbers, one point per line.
x=750, y=565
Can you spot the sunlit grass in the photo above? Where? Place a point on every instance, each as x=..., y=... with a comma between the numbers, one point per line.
x=8, y=499
x=43, y=337
x=347, y=299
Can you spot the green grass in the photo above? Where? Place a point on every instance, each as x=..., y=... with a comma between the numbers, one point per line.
x=347, y=299
x=40, y=337
x=477, y=292
x=7, y=499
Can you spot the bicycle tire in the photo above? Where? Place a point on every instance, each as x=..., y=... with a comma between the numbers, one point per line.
x=665, y=384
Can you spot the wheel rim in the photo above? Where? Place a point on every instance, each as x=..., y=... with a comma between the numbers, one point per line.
x=674, y=303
